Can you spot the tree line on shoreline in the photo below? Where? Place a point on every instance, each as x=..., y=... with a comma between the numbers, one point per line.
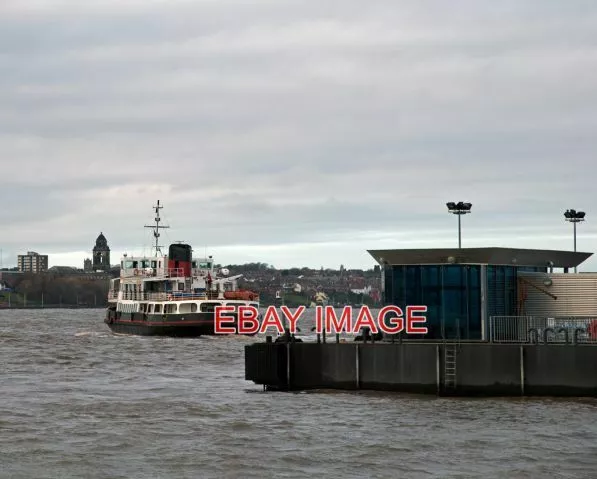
x=80, y=290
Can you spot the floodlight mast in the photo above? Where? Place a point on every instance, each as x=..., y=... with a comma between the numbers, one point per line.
x=574, y=217
x=459, y=209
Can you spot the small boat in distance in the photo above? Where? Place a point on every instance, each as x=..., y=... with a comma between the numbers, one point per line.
x=171, y=295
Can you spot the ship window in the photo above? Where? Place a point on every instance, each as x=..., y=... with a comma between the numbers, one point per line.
x=187, y=307
x=180, y=286
x=135, y=263
x=170, y=308
x=194, y=264
x=154, y=264
x=128, y=264
x=208, y=307
x=158, y=308
x=144, y=264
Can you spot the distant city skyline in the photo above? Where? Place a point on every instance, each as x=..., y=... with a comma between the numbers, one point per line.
x=350, y=254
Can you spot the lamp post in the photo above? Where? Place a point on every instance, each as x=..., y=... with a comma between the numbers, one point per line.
x=574, y=217
x=459, y=209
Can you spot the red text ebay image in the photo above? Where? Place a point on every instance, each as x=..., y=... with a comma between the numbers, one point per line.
x=389, y=319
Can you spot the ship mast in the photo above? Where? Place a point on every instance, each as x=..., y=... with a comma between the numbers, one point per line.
x=156, y=228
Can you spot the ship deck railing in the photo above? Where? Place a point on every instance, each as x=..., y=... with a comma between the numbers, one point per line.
x=153, y=273
x=162, y=296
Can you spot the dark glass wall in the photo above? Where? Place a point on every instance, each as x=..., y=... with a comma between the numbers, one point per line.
x=388, y=293
x=502, y=289
x=452, y=294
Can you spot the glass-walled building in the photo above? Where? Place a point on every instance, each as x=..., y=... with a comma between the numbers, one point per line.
x=463, y=287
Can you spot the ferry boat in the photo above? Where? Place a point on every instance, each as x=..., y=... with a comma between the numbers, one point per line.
x=171, y=295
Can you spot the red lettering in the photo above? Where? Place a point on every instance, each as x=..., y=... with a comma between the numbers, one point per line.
x=319, y=319
x=365, y=319
x=223, y=318
x=248, y=314
x=292, y=319
x=333, y=325
x=411, y=319
x=271, y=318
x=396, y=322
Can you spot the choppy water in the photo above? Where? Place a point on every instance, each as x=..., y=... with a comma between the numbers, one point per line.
x=78, y=401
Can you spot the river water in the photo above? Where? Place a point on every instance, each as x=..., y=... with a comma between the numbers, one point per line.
x=78, y=401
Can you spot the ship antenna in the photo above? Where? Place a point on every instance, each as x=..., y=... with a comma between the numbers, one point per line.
x=156, y=228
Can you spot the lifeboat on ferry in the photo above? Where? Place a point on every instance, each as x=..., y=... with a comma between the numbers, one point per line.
x=241, y=295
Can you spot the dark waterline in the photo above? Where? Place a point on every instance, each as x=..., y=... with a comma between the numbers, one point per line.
x=78, y=401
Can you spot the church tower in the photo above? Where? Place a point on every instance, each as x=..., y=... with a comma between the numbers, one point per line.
x=101, y=254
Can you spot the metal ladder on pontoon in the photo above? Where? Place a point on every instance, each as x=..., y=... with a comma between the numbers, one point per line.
x=450, y=354
x=450, y=361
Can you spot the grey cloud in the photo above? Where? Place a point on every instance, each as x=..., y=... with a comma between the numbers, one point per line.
x=295, y=122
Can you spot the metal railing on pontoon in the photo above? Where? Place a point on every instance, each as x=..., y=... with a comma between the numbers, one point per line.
x=536, y=329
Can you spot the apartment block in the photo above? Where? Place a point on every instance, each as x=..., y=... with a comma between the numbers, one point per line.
x=32, y=262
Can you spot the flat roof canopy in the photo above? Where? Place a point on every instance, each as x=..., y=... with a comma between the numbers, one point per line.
x=498, y=256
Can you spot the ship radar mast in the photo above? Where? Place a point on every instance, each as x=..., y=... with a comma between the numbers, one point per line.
x=156, y=228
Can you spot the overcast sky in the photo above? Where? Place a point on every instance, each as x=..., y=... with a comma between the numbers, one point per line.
x=296, y=132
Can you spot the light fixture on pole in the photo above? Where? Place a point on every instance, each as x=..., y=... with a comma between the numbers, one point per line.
x=459, y=209
x=574, y=217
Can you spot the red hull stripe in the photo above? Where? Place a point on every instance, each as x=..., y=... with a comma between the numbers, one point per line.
x=166, y=323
